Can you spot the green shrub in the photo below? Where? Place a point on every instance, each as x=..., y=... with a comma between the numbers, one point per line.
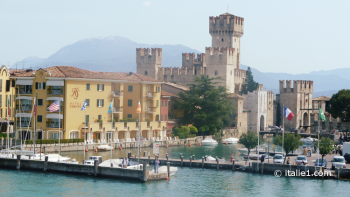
x=193, y=135
x=172, y=135
x=193, y=130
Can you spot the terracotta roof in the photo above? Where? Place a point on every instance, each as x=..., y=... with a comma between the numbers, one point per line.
x=234, y=95
x=321, y=98
x=73, y=72
x=177, y=86
x=164, y=93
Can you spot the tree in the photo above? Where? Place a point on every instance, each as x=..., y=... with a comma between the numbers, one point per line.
x=340, y=105
x=249, y=140
x=182, y=132
x=326, y=146
x=291, y=142
x=205, y=104
x=193, y=130
x=250, y=85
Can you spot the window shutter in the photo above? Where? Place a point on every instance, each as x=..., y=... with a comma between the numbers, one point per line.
x=36, y=85
x=98, y=102
x=98, y=87
x=103, y=102
x=103, y=87
x=44, y=84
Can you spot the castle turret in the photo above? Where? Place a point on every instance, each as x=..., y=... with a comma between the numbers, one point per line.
x=148, y=64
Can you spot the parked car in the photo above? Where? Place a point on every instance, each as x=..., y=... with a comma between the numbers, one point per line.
x=338, y=162
x=278, y=159
x=300, y=160
x=321, y=162
x=347, y=157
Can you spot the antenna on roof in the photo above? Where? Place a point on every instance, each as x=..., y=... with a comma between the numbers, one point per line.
x=227, y=8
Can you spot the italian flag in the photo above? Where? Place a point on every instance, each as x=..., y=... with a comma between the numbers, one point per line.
x=288, y=114
x=322, y=117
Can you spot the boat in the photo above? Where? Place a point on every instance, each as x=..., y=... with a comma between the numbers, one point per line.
x=256, y=156
x=209, y=142
x=230, y=140
x=164, y=169
x=104, y=148
x=210, y=158
x=245, y=150
x=91, y=160
x=308, y=140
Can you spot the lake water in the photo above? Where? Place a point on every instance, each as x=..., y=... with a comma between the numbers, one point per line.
x=186, y=182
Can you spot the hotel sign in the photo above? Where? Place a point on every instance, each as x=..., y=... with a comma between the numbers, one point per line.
x=75, y=95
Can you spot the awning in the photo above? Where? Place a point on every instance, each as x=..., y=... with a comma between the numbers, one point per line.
x=54, y=116
x=24, y=82
x=54, y=98
x=23, y=115
x=55, y=83
x=24, y=97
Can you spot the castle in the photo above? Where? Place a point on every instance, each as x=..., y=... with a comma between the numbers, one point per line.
x=222, y=59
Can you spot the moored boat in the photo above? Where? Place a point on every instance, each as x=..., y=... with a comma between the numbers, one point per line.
x=230, y=140
x=104, y=148
x=209, y=142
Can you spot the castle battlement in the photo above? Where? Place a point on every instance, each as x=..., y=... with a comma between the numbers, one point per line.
x=185, y=71
x=226, y=23
x=220, y=55
x=298, y=86
x=190, y=60
x=147, y=55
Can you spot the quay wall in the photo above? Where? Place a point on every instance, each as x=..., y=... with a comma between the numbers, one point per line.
x=45, y=148
x=75, y=168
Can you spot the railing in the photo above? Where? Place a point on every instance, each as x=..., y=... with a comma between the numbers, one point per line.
x=125, y=125
x=54, y=125
x=117, y=110
x=149, y=95
x=55, y=91
x=22, y=91
x=24, y=124
x=149, y=110
x=24, y=107
x=116, y=93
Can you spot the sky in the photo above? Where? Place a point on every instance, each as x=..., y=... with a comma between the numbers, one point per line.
x=279, y=36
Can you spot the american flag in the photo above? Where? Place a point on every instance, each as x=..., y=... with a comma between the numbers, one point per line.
x=55, y=106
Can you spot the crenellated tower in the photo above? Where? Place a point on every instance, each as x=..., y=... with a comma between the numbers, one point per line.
x=148, y=63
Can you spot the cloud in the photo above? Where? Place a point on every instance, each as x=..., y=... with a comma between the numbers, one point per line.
x=147, y=3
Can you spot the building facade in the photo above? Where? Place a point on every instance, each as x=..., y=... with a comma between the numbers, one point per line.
x=7, y=100
x=72, y=86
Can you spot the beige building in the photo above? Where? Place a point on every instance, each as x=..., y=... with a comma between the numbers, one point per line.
x=7, y=93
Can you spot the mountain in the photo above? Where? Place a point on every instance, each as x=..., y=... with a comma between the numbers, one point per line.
x=113, y=53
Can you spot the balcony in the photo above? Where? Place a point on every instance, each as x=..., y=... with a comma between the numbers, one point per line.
x=54, y=124
x=116, y=93
x=25, y=91
x=23, y=124
x=24, y=108
x=150, y=110
x=117, y=110
x=149, y=95
x=58, y=91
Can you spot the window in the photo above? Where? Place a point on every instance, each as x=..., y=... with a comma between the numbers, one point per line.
x=100, y=87
x=130, y=88
x=87, y=120
x=130, y=103
x=169, y=104
x=222, y=40
x=100, y=102
x=157, y=117
x=162, y=104
x=0, y=85
x=1, y=101
x=166, y=118
x=13, y=83
x=129, y=115
x=40, y=85
x=216, y=72
x=8, y=85
x=145, y=72
x=87, y=86
x=166, y=103
x=161, y=117
x=40, y=102
x=6, y=101
x=157, y=89
x=10, y=100
x=157, y=103
x=40, y=118
x=99, y=117
x=231, y=72
x=87, y=102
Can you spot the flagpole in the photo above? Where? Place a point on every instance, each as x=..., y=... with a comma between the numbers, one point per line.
x=85, y=130
x=318, y=152
x=111, y=133
x=20, y=118
x=283, y=131
x=36, y=95
x=59, y=128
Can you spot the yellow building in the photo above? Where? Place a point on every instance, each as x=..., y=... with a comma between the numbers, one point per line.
x=72, y=86
x=7, y=93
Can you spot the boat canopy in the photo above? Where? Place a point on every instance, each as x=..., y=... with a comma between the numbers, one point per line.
x=55, y=83
x=54, y=116
x=24, y=82
x=54, y=98
x=24, y=97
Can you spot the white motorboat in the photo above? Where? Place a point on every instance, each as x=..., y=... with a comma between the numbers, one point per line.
x=209, y=142
x=210, y=158
x=308, y=140
x=230, y=140
x=244, y=151
x=104, y=148
x=91, y=160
